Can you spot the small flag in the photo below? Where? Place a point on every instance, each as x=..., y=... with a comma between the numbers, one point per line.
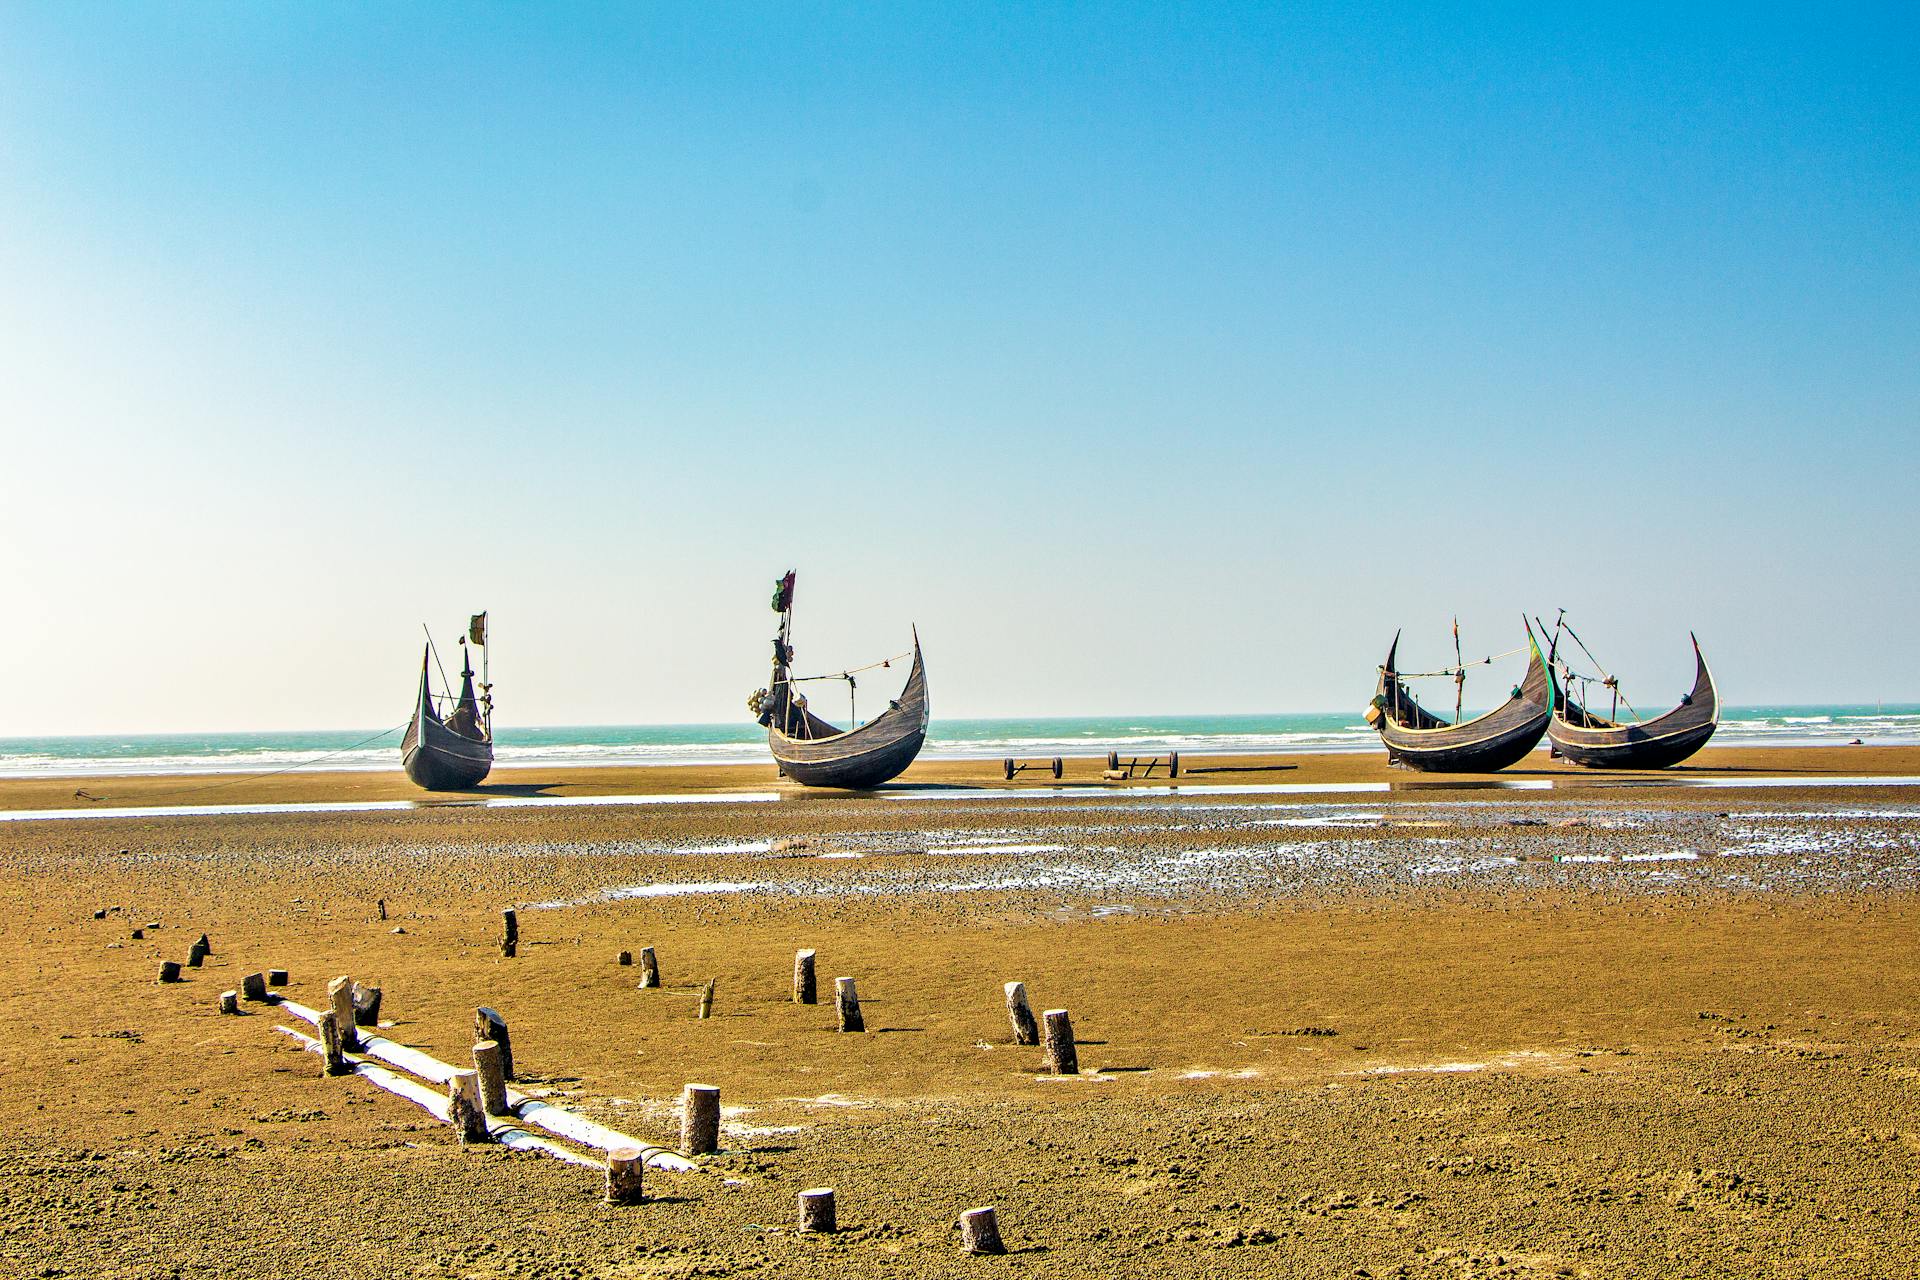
x=783, y=593
x=477, y=628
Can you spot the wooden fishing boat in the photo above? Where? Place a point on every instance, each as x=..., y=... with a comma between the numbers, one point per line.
x=1583, y=736
x=1417, y=739
x=815, y=753
x=455, y=751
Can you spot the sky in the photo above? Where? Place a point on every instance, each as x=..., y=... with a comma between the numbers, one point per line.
x=1151, y=359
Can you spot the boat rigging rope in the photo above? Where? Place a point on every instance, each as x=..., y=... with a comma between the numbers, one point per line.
x=853, y=671
x=1607, y=679
x=1460, y=670
x=255, y=777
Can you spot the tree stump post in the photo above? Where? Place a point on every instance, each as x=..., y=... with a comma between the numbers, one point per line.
x=817, y=1210
x=383, y=908
x=253, y=988
x=464, y=1112
x=333, y=1049
x=805, y=990
x=366, y=1005
x=510, y=941
x=847, y=1001
x=340, y=1000
x=700, y=1119
x=649, y=968
x=626, y=1169
x=624, y=959
x=169, y=971
x=1062, y=1055
x=488, y=1024
x=1020, y=1014
x=493, y=1084
x=205, y=944
x=980, y=1231
x=198, y=952
x=276, y=977
x=229, y=1002
x=705, y=1010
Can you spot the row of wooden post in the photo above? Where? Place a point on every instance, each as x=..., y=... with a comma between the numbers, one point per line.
x=1063, y=1056
x=474, y=1095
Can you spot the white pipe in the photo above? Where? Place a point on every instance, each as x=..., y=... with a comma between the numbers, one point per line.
x=543, y=1115
x=435, y=1104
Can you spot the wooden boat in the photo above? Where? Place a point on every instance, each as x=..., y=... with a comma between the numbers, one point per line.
x=1418, y=739
x=815, y=753
x=454, y=752
x=1599, y=742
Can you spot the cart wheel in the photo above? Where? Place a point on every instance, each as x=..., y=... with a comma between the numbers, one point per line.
x=1007, y=764
x=1057, y=766
x=1113, y=759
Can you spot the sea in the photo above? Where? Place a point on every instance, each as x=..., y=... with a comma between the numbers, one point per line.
x=745, y=742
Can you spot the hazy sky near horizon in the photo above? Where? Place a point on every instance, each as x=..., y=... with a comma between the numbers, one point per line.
x=1149, y=360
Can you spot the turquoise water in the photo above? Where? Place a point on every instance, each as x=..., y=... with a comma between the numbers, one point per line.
x=745, y=742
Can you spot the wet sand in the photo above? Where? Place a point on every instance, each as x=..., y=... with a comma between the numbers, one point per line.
x=1425, y=1034
x=1303, y=768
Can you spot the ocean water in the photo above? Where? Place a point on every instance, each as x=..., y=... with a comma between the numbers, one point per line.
x=951, y=739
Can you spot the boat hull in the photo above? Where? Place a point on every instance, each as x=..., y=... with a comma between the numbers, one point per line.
x=862, y=758
x=1488, y=755
x=1415, y=738
x=1634, y=751
x=1596, y=743
x=439, y=759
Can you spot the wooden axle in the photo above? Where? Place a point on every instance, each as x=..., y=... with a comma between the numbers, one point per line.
x=1145, y=765
x=1010, y=766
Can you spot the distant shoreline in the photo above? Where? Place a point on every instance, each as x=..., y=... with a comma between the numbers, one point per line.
x=1305, y=777
x=742, y=743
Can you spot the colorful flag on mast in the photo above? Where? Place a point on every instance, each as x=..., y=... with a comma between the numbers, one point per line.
x=477, y=628
x=783, y=593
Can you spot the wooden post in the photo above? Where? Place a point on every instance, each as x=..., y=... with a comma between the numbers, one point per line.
x=488, y=1024
x=1020, y=1014
x=383, y=908
x=706, y=999
x=253, y=987
x=625, y=958
x=197, y=952
x=276, y=977
x=626, y=1167
x=229, y=1002
x=1062, y=1056
x=817, y=1211
x=980, y=1231
x=510, y=943
x=366, y=1006
x=204, y=944
x=493, y=1085
x=804, y=991
x=333, y=1053
x=169, y=971
x=463, y=1107
x=649, y=968
x=138, y=934
x=700, y=1119
x=847, y=1000
x=340, y=1000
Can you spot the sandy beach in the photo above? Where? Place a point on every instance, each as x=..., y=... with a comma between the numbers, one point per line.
x=1468, y=1032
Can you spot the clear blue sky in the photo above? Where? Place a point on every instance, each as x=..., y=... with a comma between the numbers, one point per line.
x=1150, y=360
